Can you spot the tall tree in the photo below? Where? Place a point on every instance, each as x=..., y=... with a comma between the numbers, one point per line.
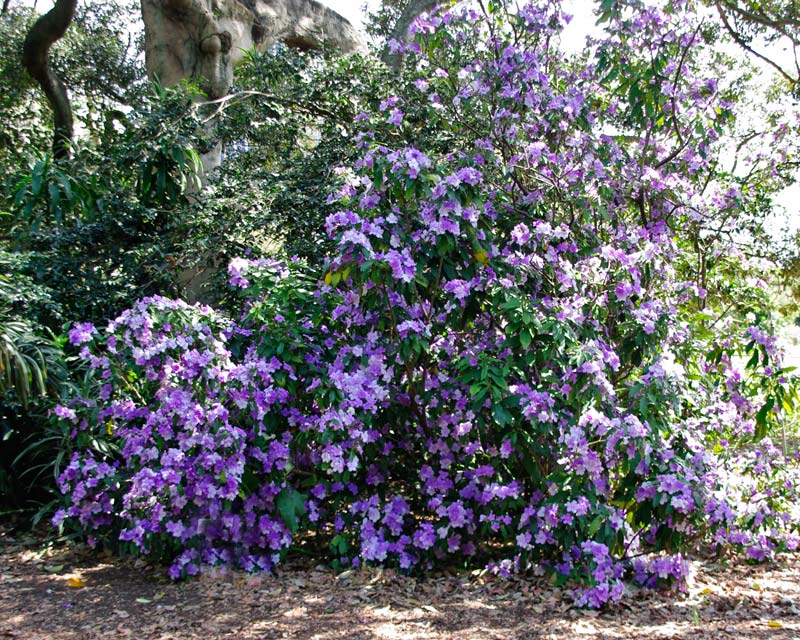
x=773, y=21
x=47, y=30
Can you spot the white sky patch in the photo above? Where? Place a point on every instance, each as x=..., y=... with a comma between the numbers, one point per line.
x=353, y=10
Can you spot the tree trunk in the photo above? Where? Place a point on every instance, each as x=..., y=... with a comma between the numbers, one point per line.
x=35, y=57
x=411, y=12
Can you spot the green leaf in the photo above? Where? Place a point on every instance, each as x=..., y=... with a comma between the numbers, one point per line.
x=501, y=416
x=594, y=525
x=65, y=186
x=38, y=178
x=291, y=506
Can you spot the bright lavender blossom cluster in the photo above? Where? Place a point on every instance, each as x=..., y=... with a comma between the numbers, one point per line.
x=185, y=417
x=499, y=363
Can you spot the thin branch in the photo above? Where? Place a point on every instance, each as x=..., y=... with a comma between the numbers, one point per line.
x=225, y=101
x=762, y=19
x=741, y=42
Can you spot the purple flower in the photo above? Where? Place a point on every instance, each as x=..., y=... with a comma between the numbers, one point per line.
x=459, y=288
x=395, y=117
x=81, y=333
x=402, y=264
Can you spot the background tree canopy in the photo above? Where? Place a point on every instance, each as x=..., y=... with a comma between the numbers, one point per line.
x=466, y=299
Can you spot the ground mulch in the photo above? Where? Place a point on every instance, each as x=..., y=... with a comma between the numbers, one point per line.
x=73, y=593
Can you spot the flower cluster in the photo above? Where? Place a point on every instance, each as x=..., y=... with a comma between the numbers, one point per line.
x=186, y=417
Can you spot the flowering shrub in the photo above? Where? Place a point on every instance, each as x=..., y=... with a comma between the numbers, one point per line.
x=501, y=362
x=181, y=409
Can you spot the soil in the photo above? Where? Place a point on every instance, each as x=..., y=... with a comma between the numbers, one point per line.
x=73, y=593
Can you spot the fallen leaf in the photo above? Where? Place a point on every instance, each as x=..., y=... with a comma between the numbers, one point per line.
x=706, y=591
x=143, y=601
x=121, y=613
x=774, y=624
x=54, y=568
x=76, y=583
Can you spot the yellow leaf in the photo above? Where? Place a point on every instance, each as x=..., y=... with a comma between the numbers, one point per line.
x=109, y=427
x=774, y=625
x=328, y=278
x=76, y=583
x=482, y=257
x=706, y=591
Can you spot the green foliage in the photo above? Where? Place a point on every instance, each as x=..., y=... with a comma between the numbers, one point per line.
x=86, y=236
x=32, y=374
x=97, y=228
x=100, y=63
x=27, y=361
x=381, y=21
x=287, y=135
x=23, y=112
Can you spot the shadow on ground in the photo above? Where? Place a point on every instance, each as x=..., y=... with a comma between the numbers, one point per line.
x=41, y=599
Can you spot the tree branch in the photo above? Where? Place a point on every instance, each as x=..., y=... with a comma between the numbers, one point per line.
x=778, y=23
x=744, y=45
x=35, y=58
x=411, y=12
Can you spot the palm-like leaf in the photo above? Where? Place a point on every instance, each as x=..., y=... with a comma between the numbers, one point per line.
x=26, y=362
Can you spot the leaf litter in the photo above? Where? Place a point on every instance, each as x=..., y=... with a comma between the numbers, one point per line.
x=92, y=595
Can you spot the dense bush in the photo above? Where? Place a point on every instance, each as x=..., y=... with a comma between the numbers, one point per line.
x=97, y=230
x=504, y=361
x=81, y=238
x=287, y=132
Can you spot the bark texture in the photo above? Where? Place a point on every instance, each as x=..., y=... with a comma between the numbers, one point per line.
x=36, y=58
x=204, y=39
x=411, y=12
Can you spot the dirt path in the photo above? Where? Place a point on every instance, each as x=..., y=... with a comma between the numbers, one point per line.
x=72, y=594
